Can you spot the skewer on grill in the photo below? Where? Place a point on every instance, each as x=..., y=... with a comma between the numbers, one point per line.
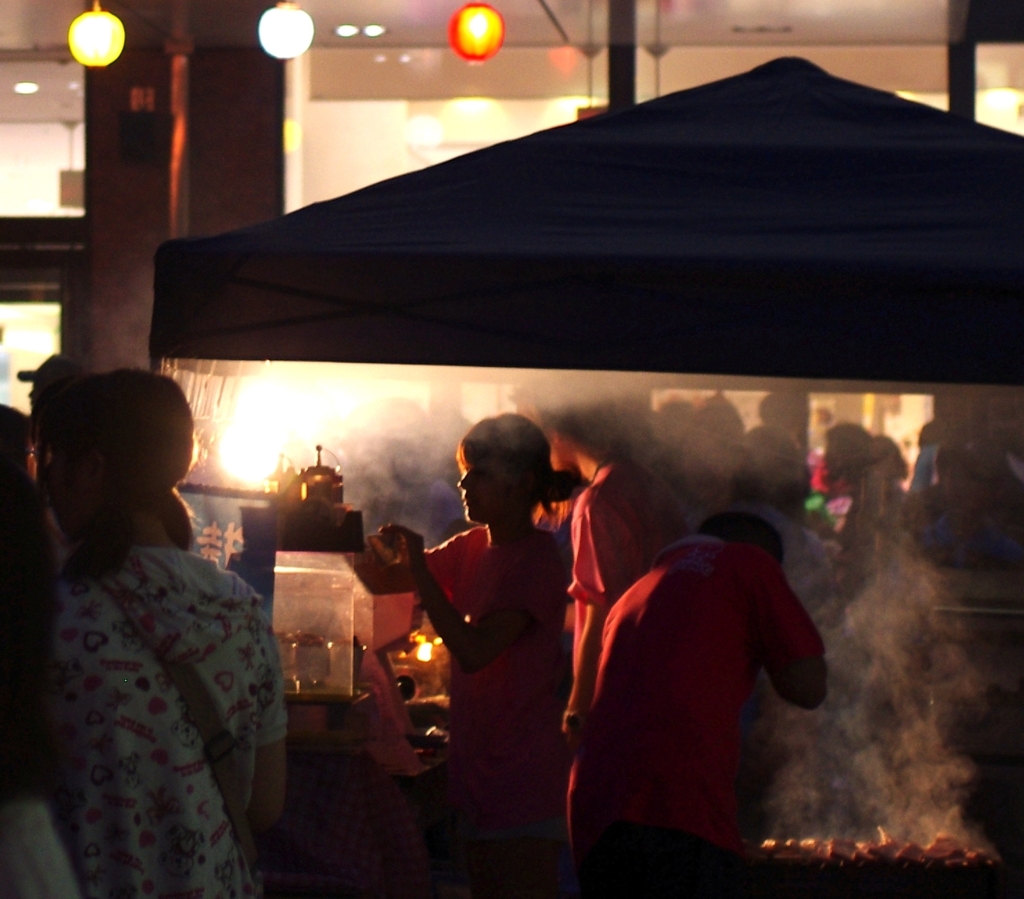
x=943, y=850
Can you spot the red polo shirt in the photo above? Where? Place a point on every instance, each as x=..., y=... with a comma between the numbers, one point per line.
x=682, y=649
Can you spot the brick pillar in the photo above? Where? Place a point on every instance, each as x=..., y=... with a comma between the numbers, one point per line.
x=237, y=120
x=127, y=190
x=235, y=176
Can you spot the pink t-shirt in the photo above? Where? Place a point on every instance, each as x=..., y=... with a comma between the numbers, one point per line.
x=619, y=524
x=682, y=649
x=509, y=763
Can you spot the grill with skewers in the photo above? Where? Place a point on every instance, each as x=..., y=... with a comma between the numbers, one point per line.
x=845, y=869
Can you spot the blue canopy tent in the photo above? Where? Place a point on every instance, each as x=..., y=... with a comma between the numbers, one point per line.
x=778, y=223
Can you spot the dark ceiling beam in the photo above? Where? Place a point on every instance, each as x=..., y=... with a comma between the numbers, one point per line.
x=621, y=54
x=995, y=21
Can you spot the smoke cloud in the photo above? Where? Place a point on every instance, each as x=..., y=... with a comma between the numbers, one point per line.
x=877, y=753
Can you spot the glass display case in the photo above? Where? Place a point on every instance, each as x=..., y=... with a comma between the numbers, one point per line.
x=322, y=613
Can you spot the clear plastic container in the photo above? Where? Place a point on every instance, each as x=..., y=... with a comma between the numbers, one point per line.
x=321, y=609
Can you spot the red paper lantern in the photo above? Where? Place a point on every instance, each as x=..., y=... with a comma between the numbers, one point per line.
x=476, y=32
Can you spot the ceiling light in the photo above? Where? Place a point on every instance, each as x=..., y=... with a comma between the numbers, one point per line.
x=347, y=30
x=380, y=57
x=471, y=105
x=404, y=58
x=374, y=30
x=74, y=85
x=26, y=87
x=285, y=31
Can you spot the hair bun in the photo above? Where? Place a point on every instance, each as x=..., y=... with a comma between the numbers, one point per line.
x=561, y=485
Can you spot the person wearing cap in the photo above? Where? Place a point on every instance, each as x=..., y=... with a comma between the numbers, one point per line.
x=55, y=368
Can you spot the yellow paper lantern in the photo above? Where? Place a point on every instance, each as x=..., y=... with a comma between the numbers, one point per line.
x=476, y=32
x=96, y=38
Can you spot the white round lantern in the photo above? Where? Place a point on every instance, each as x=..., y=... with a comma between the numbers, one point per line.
x=285, y=31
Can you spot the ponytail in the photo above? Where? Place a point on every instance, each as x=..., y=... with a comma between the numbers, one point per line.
x=560, y=486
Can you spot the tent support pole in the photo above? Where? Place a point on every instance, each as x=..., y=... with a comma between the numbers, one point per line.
x=621, y=54
x=962, y=84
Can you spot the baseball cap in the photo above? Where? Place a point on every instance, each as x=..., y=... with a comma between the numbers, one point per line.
x=56, y=367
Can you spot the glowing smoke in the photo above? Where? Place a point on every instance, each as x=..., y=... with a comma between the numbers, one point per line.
x=877, y=753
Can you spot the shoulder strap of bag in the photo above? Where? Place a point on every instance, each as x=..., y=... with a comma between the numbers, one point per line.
x=218, y=746
x=218, y=743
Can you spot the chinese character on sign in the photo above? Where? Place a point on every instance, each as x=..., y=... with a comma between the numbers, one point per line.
x=220, y=545
x=232, y=542
x=211, y=543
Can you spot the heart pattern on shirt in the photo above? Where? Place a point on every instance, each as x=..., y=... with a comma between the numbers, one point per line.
x=93, y=641
x=100, y=775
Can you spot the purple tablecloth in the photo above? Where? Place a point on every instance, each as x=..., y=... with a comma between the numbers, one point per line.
x=346, y=827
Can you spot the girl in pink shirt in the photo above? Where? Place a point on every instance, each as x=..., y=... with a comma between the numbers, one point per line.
x=496, y=595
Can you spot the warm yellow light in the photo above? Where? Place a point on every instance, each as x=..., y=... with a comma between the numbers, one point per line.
x=1001, y=99
x=96, y=38
x=419, y=638
x=251, y=444
x=425, y=652
x=472, y=105
x=292, y=135
x=249, y=453
x=270, y=416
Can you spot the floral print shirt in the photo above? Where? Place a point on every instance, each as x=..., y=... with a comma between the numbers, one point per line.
x=137, y=804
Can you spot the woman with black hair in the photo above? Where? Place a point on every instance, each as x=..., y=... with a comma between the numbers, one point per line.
x=496, y=596
x=138, y=804
x=33, y=864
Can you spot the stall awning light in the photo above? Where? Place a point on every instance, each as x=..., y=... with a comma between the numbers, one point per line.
x=476, y=32
x=96, y=38
x=285, y=31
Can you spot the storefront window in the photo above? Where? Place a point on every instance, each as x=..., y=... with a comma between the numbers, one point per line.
x=42, y=139
x=355, y=117
x=358, y=116
x=915, y=72
x=29, y=333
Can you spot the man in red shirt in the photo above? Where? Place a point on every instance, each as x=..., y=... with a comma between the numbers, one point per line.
x=652, y=808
